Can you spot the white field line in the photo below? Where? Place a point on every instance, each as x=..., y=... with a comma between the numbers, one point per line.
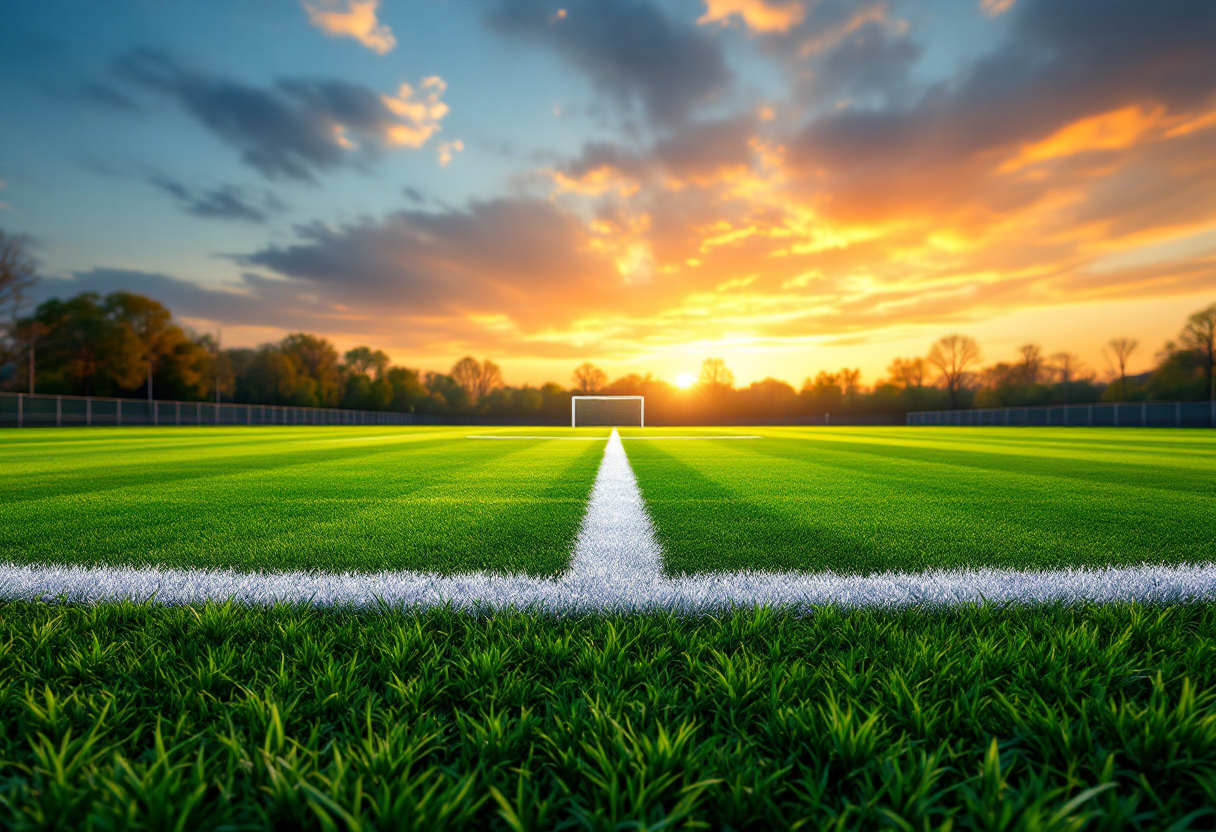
x=604, y=438
x=661, y=438
x=558, y=438
x=616, y=566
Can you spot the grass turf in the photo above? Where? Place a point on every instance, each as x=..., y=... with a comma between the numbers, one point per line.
x=868, y=500
x=140, y=717
x=331, y=499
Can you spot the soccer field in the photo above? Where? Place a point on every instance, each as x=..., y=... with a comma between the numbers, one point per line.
x=848, y=500
x=406, y=693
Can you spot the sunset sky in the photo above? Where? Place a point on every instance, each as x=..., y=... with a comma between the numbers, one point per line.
x=790, y=185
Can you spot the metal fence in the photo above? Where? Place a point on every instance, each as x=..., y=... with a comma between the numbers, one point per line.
x=1126, y=414
x=23, y=410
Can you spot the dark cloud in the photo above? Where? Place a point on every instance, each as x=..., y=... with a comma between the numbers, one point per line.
x=413, y=195
x=294, y=129
x=630, y=49
x=855, y=50
x=523, y=258
x=1060, y=63
x=184, y=297
x=694, y=152
x=873, y=63
x=227, y=202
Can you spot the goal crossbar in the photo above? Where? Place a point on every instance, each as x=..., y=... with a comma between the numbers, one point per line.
x=641, y=400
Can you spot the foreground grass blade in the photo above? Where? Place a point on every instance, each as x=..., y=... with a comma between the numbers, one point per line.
x=143, y=717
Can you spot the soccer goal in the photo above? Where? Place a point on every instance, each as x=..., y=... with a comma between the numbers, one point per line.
x=608, y=411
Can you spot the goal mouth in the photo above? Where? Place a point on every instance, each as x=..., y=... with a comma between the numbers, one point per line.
x=608, y=411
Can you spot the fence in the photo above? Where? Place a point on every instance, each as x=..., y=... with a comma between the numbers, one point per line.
x=23, y=410
x=1127, y=414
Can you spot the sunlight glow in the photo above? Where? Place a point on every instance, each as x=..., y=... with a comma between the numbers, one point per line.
x=685, y=380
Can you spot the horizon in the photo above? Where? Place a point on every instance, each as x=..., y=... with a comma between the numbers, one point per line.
x=786, y=185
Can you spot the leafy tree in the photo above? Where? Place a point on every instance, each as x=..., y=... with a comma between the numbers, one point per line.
x=1199, y=335
x=850, y=381
x=367, y=362
x=449, y=394
x=271, y=377
x=86, y=350
x=320, y=378
x=152, y=324
x=467, y=373
x=408, y=389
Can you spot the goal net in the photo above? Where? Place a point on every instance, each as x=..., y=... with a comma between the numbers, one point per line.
x=607, y=411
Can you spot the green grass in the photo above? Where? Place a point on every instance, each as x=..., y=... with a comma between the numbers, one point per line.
x=332, y=499
x=867, y=500
x=139, y=717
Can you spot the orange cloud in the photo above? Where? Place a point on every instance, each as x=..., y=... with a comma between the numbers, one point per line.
x=448, y=151
x=352, y=19
x=994, y=8
x=598, y=180
x=418, y=111
x=1109, y=131
x=758, y=15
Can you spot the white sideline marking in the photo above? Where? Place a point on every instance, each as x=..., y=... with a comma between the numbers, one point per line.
x=616, y=566
x=653, y=438
x=558, y=438
x=603, y=438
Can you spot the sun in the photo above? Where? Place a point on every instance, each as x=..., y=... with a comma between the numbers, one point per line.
x=685, y=380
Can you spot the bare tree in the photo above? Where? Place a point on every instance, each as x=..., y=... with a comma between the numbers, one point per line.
x=1066, y=366
x=1121, y=350
x=1032, y=362
x=715, y=373
x=489, y=379
x=908, y=372
x=1199, y=335
x=952, y=356
x=17, y=274
x=589, y=378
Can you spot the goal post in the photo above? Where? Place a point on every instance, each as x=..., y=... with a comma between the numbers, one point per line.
x=608, y=411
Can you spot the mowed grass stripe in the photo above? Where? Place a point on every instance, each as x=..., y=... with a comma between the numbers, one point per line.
x=860, y=502
x=427, y=501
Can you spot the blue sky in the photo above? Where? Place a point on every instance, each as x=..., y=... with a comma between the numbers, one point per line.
x=792, y=185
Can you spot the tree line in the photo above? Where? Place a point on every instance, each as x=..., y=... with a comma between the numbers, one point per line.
x=128, y=345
